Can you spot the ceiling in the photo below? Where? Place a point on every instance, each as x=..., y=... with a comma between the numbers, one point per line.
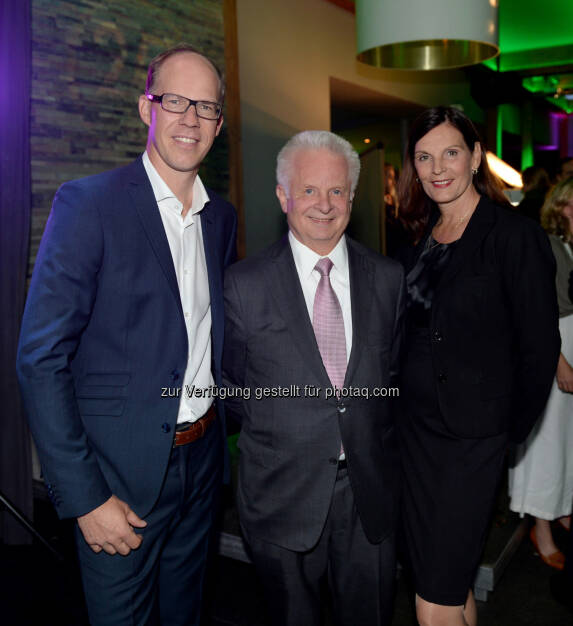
x=536, y=43
x=353, y=104
x=536, y=46
x=535, y=34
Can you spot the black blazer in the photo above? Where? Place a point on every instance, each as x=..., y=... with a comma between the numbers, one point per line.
x=494, y=325
x=290, y=445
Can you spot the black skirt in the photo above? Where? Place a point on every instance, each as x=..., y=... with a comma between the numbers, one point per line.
x=449, y=485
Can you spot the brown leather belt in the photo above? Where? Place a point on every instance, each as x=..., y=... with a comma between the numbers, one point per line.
x=191, y=431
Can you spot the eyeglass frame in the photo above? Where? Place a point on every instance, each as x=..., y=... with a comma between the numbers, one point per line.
x=154, y=98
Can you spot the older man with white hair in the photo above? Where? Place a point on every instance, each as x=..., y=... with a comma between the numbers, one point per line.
x=313, y=327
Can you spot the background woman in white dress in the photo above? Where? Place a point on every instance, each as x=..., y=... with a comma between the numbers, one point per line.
x=541, y=482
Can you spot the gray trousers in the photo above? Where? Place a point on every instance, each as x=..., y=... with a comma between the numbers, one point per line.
x=360, y=576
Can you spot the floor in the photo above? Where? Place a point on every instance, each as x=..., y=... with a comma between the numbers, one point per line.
x=37, y=590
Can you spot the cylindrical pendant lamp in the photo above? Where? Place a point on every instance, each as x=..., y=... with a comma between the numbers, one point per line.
x=426, y=34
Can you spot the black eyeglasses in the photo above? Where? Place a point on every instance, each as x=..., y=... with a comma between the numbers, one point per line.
x=179, y=104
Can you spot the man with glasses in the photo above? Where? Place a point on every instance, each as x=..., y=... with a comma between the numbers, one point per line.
x=121, y=348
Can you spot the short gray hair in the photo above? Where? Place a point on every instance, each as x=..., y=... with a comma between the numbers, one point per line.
x=316, y=140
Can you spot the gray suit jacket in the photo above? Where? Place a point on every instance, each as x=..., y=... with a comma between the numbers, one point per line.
x=289, y=443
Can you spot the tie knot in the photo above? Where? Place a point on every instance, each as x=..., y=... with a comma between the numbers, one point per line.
x=323, y=266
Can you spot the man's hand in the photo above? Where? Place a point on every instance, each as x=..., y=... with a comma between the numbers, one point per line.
x=564, y=375
x=110, y=527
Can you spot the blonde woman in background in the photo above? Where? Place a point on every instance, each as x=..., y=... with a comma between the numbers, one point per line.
x=541, y=482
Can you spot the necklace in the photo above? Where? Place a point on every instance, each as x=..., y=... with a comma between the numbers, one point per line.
x=456, y=220
x=432, y=243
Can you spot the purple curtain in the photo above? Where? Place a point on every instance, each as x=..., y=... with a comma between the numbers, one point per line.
x=15, y=203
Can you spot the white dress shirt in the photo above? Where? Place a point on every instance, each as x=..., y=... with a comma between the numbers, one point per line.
x=305, y=260
x=186, y=244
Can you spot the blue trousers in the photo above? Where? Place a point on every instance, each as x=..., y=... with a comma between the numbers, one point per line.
x=162, y=581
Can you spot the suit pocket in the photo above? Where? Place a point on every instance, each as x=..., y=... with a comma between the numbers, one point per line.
x=102, y=393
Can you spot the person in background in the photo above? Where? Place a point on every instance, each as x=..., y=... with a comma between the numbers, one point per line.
x=481, y=347
x=397, y=236
x=317, y=315
x=125, y=310
x=565, y=168
x=535, y=185
x=390, y=189
x=541, y=481
x=561, y=582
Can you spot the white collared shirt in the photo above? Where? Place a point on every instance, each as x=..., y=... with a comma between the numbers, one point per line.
x=305, y=260
x=186, y=244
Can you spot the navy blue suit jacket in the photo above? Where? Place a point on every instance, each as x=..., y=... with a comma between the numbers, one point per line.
x=103, y=333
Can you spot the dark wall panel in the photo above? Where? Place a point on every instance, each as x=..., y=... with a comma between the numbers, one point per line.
x=89, y=61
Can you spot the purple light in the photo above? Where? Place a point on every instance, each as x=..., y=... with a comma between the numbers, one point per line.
x=554, y=124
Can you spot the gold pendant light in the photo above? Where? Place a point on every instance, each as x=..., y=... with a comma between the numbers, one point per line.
x=426, y=34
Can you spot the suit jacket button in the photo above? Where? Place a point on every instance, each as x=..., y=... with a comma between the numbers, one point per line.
x=165, y=427
x=333, y=460
x=174, y=375
x=442, y=377
x=437, y=335
x=341, y=408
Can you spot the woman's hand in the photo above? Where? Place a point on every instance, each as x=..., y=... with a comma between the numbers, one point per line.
x=564, y=375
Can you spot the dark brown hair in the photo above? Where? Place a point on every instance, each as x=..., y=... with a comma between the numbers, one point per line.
x=157, y=62
x=535, y=177
x=415, y=205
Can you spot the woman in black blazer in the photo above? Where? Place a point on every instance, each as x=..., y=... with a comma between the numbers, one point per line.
x=481, y=351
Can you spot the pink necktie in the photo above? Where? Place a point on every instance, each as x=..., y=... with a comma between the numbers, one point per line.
x=328, y=325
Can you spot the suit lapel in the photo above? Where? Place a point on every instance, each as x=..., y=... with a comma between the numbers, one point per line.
x=479, y=225
x=141, y=193
x=361, y=277
x=214, y=275
x=211, y=257
x=283, y=283
x=412, y=259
